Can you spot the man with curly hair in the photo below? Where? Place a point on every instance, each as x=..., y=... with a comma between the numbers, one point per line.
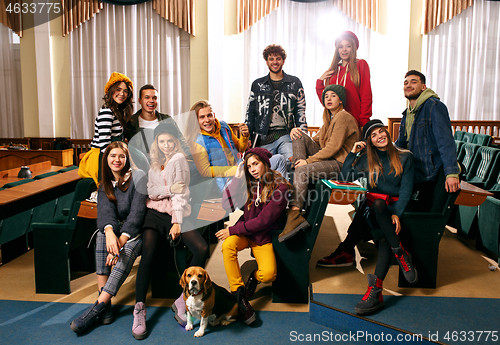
x=276, y=110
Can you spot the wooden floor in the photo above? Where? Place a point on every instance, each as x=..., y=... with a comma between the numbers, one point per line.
x=463, y=272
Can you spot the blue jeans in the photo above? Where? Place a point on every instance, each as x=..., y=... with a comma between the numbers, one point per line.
x=278, y=163
x=282, y=146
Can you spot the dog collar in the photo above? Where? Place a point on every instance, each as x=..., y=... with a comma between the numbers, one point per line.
x=198, y=292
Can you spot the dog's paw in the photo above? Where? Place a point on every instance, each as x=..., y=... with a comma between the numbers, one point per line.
x=199, y=333
x=189, y=327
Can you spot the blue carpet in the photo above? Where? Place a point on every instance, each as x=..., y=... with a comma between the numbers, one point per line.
x=48, y=323
x=443, y=319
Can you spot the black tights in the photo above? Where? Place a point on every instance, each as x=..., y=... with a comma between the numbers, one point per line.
x=193, y=240
x=359, y=229
x=390, y=240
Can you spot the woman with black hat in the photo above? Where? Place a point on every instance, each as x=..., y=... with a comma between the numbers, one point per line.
x=389, y=171
x=167, y=209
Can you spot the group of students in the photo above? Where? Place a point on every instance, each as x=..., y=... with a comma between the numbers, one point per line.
x=135, y=209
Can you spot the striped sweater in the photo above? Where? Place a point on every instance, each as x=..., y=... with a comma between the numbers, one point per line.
x=106, y=126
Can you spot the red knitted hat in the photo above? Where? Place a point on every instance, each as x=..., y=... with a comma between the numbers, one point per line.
x=263, y=154
x=350, y=34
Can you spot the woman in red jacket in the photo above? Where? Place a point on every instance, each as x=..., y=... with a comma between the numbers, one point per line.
x=351, y=73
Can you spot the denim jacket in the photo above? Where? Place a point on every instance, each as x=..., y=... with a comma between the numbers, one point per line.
x=431, y=141
x=260, y=102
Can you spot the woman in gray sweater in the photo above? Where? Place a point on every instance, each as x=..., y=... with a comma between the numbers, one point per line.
x=121, y=206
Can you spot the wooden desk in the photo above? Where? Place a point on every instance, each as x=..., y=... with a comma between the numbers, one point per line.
x=15, y=158
x=88, y=210
x=7, y=176
x=212, y=211
x=26, y=196
x=471, y=195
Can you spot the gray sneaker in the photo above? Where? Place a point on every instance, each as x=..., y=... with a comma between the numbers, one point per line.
x=81, y=323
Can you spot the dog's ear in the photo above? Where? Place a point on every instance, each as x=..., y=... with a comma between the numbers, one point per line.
x=207, y=285
x=183, y=283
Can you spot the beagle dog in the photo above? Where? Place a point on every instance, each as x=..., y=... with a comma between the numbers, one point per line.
x=206, y=301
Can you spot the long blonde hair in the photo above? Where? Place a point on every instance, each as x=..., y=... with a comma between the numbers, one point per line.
x=353, y=68
x=375, y=165
x=158, y=158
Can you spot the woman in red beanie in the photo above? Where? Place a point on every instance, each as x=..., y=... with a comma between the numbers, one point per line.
x=351, y=73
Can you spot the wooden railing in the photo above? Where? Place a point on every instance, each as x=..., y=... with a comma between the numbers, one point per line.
x=478, y=127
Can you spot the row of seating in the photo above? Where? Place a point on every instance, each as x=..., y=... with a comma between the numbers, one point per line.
x=474, y=138
x=482, y=164
x=18, y=225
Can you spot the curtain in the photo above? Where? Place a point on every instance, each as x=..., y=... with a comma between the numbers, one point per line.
x=11, y=101
x=463, y=62
x=9, y=18
x=362, y=11
x=135, y=41
x=306, y=33
x=179, y=12
x=76, y=12
x=437, y=12
x=251, y=11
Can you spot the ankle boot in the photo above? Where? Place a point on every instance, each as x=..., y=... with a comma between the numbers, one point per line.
x=373, y=299
x=179, y=309
x=245, y=310
x=81, y=323
x=107, y=316
x=139, y=330
x=251, y=285
x=294, y=223
x=404, y=261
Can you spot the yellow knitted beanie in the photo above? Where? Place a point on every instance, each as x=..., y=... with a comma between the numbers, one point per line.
x=116, y=77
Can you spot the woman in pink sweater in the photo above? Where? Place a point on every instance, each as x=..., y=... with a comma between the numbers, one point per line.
x=167, y=207
x=351, y=73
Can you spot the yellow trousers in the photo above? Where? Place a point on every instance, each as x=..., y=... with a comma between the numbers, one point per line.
x=266, y=261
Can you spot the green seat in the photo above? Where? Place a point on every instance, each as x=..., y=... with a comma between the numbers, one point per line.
x=468, y=137
x=72, y=167
x=14, y=226
x=293, y=255
x=489, y=225
x=55, y=239
x=18, y=183
x=482, y=139
x=458, y=135
x=479, y=170
x=41, y=176
x=492, y=183
x=467, y=153
x=422, y=232
x=459, y=144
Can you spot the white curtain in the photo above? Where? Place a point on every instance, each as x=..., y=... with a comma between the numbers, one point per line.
x=135, y=41
x=463, y=62
x=307, y=32
x=11, y=100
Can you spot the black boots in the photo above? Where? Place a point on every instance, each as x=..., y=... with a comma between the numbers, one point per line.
x=373, y=299
x=245, y=310
x=404, y=261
